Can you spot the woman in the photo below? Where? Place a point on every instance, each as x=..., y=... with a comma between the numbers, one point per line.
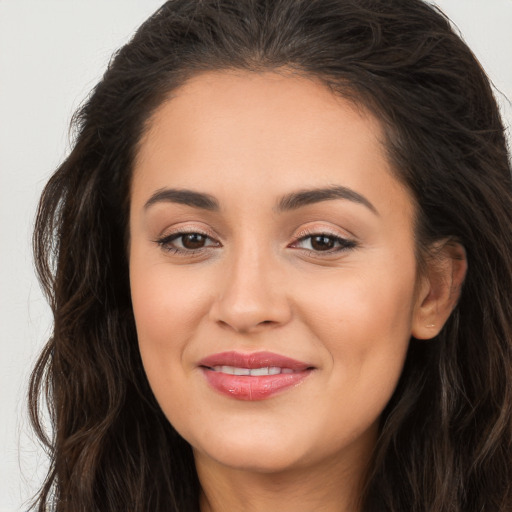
x=279, y=260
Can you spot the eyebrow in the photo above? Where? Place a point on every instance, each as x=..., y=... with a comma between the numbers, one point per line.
x=292, y=201
x=183, y=196
x=302, y=198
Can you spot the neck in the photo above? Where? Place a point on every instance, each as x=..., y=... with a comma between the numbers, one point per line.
x=330, y=487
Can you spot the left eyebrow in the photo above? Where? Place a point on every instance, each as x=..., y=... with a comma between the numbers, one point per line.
x=302, y=198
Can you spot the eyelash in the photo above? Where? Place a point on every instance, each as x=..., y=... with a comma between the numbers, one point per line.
x=344, y=244
x=166, y=241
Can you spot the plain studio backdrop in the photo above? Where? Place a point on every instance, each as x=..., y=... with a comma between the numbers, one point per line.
x=52, y=52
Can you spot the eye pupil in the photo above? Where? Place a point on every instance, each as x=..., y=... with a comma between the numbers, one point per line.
x=322, y=243
x=193, y=241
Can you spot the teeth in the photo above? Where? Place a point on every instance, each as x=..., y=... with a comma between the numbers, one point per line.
x=254, y=372
x=240, y=371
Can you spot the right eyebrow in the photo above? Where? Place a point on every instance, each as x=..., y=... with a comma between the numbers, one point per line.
x=183, y=196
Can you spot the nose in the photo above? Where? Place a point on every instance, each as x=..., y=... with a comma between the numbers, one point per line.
x=253, y=294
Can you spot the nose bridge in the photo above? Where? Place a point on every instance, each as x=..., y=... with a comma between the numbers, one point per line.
x=253, y=291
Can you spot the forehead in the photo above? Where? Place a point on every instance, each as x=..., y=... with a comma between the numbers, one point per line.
x=265, y=100
x=261, y=132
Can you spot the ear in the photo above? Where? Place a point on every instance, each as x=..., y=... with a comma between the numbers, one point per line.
x=439, y=288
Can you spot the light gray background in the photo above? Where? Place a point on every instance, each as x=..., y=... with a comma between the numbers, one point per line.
x=51, y=54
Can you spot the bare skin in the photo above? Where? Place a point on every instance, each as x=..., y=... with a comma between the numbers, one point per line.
x=245, y=261
x=327, y=488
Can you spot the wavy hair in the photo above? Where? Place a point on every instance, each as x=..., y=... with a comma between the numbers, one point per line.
x=445, y=440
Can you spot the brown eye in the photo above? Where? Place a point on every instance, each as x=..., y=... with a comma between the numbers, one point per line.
x=186, y=243
x=193, y=241
x=322, y=243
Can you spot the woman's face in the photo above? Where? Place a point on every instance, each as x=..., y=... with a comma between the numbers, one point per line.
x=273, y=271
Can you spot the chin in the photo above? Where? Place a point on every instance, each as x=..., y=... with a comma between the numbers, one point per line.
x=252, y=457
x=254, y=450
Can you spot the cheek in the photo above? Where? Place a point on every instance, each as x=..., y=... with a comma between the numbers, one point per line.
x=167, y=307
x=358, y=304
x=363, y=321
x=166, y=300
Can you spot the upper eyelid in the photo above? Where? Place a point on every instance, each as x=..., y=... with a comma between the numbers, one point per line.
x=300, y=236
x=301, y=233
x=166, y=233
x=342, y=239
x=307, y=232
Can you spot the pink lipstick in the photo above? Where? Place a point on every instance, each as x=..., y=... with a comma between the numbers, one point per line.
x=253, y=376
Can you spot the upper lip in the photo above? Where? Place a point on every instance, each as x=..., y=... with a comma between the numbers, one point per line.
x=253, y=360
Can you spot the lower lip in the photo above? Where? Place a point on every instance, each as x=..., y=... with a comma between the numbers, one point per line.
x=253, y=388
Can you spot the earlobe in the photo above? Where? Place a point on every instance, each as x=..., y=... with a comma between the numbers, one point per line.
x=439, y=289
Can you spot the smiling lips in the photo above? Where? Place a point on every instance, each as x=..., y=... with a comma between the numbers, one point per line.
x=253, y=376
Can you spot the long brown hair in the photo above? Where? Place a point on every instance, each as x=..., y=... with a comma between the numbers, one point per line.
x=446, y=435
